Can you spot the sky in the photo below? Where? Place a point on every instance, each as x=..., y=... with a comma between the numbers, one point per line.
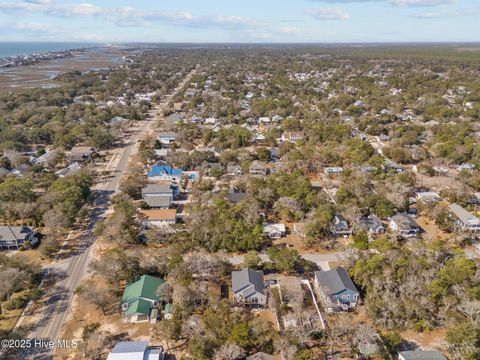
x=246, y=21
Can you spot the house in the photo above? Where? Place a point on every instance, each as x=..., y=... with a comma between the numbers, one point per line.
x=234, y=170
x=428, y=196
x=274, y=153
x=71, y=169
x=392, y=165
x=12, y=237
x=158, y=202
x=421, y=355
x=274, y=231
x=292, y=136
x=464, y=219
x=248, y=288
x=140, y=298
x=235, y=196
x=340, y=226
x=135, y=350
x=371, y=224
x=333, y=170
x=209, y=166
x=260, y=356
x=166, y=137
x=159, y=218
x=47, y=159
x=211, y=121
x=258, y=169
x=157, y=190
x=336, y=289
x=81, y=154
x=174, y=118
x=404, y=225
x=164, y=172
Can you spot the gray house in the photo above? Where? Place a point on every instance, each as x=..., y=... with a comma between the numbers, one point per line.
x=173, y=118
x=336, y=290
x=234, y=170
x=258, y=169
x=371, y=224
x=249, y=288
x=421, y=355
x=157, y=190
x=158, y=202
x=12, y=237
x=166, y=137
x=81, y=154
x=340, y=226
x=464, y=219
x=404, y=225
x=333, y=170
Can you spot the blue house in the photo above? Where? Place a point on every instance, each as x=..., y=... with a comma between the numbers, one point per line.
x=336, y=289
x=164, y=172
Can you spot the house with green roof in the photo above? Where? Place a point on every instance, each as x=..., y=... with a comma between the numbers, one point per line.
x=140, y=298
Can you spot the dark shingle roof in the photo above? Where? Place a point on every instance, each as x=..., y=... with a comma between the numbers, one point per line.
x=247, y=277
x=157, y=201
x=334, y=280
x=14, y=233
x=157, y=188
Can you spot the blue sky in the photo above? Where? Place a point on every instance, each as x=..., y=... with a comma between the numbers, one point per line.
x=240, y=21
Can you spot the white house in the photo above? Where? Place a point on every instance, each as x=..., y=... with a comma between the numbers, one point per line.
x=274, y=231
x=135, y=350
x=159, y=218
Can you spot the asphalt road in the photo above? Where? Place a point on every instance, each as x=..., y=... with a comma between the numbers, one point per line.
x=321, y=260
x=52, y=317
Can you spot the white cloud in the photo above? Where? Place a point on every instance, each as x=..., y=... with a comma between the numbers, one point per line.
x=329, y=13
x=290, y=30
x=447, y=14
x=403, y=3
x=420, y=3
x=35, y=27
x=42, y=2
x=84, y=9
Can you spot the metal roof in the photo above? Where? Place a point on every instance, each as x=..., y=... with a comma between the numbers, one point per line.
x=130, y=346
x=463, y=215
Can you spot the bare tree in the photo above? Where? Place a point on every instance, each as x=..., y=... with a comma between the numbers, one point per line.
x=96, y=294
x=229, y=352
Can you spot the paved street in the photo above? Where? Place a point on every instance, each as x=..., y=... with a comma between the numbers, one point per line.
x=74, y=269
x=321, y=260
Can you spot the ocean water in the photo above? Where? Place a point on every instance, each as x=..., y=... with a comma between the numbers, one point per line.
x=20, y=48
